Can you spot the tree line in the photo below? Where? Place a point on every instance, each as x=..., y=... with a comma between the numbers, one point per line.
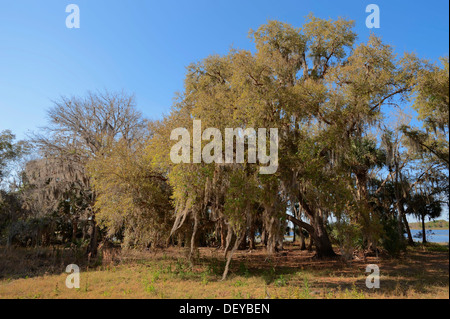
x=352, y=163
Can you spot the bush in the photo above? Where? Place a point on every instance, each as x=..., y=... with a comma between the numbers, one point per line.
x=390, y=239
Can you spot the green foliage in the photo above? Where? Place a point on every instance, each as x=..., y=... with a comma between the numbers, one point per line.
x=423, y=206
x=10, y=150
x=348, y=236
x=243, y=270
x=432, y=104
x=31, y=232
x=133, y=197
x=432, y=101
x=391, y=241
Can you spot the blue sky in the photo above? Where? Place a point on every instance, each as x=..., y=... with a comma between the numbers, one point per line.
x=144, y=46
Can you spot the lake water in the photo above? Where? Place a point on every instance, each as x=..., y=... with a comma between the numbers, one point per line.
x=433, y=235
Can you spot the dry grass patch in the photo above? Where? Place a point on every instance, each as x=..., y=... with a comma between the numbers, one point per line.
x=420, y=273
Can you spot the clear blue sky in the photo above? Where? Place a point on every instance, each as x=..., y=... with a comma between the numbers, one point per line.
x=144, y=46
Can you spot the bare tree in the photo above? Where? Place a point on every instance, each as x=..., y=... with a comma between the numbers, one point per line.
x=81, y=129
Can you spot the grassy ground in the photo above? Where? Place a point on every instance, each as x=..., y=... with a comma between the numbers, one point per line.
x=422, y=272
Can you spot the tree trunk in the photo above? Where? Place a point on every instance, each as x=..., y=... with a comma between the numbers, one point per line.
x=193, y=244
x=264, y=237
x=294, y=235
x=179, y=240
x=302, y=240
x=408, y=230
x=228, y=240
x=365, y=212
x=424, y=232
x=93, y=244
x=243, y=245
x=323, y=244
x=401, y=214
x=310, y=244
x=317, y=233
x=252, y=244
x=316, y=230
x=223, y=235
x=237, y=243
x=399, y=201
x=74, y=229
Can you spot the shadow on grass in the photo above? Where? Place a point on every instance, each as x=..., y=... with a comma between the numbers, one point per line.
x=421, y=269
x=18, y=263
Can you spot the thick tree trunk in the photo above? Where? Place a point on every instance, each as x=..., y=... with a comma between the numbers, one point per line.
x=243, y=245
x=322, y=242
x=271, y=244
x=272, y=227
x=318, y=233
x=316, y=230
